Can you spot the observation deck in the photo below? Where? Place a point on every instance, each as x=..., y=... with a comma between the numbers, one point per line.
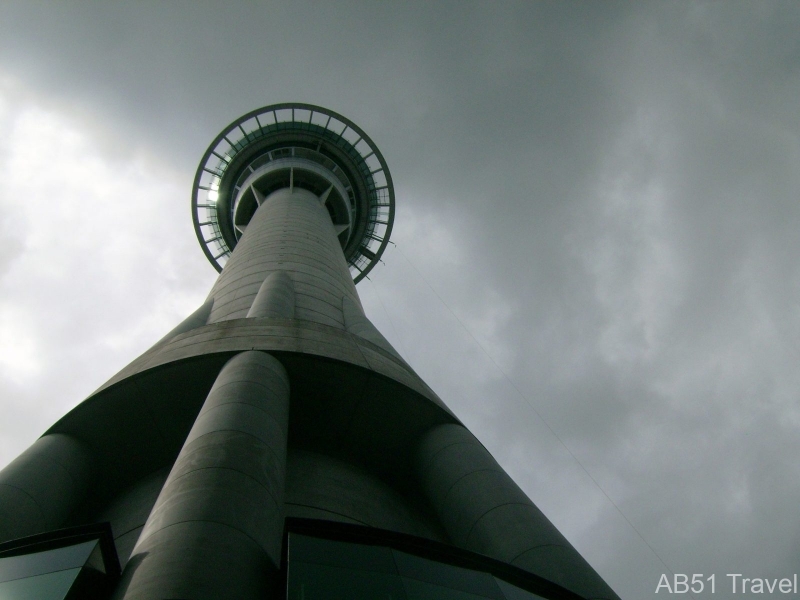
x=294, y=145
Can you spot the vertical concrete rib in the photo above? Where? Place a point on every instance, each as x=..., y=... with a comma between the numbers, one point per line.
x=40, y=489
x=215, y=530
x=483, y=510
x=275, y=298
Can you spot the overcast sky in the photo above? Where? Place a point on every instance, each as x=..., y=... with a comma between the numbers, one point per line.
x=597, y=235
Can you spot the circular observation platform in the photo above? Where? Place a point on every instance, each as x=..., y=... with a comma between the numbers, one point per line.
x=287, y=146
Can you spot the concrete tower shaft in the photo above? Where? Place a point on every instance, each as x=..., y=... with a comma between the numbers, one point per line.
x=275, y=432
x=291, y=231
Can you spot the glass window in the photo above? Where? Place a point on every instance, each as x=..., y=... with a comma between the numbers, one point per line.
x=17, y=567
x=308, y=581
x=475, y=583
x=50, y=586
x=77, y=562
x=421, y=590
x=325, y=569
x=341, y=554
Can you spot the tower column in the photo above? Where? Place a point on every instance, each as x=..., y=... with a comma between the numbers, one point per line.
x=483, y=510
x=215, y=530
x=40, y=489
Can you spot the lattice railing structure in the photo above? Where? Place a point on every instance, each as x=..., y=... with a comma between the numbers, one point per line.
x=266, y=135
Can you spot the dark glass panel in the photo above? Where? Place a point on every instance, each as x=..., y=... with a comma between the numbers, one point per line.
x=50, y=586
x=95, y=560
x=340, y=554
x=440, y=574
x=512, y=592
x=422, y=590
x=321, y=582
x=36, y=563
x=91, y=585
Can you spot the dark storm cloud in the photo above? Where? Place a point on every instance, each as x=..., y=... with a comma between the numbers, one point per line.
x=604, y=194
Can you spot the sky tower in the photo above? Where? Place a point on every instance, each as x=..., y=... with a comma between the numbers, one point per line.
x=274, y=444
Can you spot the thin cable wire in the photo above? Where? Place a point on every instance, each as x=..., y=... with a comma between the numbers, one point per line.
x=538, y=414
x=391, y=323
